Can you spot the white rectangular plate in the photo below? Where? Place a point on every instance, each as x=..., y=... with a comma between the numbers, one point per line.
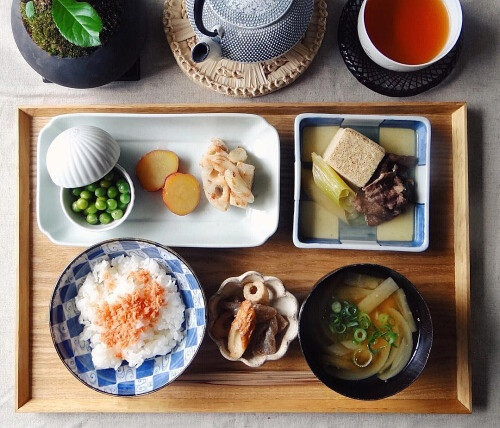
x=188, y=135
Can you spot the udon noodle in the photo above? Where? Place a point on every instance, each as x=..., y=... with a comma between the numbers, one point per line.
x=366, y=328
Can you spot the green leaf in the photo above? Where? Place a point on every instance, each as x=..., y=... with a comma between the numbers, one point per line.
x=30, y=9
x=78, y=22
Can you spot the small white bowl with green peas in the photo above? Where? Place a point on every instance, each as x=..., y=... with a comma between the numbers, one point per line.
x=101, y=205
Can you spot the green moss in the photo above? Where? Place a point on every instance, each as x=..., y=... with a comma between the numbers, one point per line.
x=45, y=34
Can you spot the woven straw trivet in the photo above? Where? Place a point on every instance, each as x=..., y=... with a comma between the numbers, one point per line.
x=240, y=79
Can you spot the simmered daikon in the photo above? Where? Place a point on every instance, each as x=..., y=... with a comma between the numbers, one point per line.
x=367, y=329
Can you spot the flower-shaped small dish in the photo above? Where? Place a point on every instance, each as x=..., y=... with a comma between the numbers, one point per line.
x=280, y=299
x=154, y=373
x=315, y=227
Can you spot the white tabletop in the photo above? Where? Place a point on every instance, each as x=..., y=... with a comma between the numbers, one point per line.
x=475, y=80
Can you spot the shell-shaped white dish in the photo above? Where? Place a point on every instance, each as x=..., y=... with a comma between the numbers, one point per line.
x=279, y=298
x=81, y=155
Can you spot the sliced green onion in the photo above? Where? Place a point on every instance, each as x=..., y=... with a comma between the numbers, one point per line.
x=374, y=350
x=383, y=318
x=364, y=320
x=373, y=338
x=352, y=324
x=391, y=338
x=358, y=353
x=387, y=328
x=359, y=335
x=336, y=307
x=352, y=310
x=339, y=328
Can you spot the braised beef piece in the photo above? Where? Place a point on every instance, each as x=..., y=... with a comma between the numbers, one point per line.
x=390, y=160
x=385, y=198
x=390, y=193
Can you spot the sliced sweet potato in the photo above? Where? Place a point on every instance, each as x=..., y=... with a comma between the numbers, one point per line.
x=154, y=167
x=181, y=193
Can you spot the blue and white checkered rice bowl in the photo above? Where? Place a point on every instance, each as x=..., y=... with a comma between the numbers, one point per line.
x=154, y=373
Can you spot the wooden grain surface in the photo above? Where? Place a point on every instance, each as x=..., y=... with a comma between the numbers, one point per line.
x=212, y=384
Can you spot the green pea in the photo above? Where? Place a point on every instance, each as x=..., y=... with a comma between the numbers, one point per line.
x=120, y=181
x=82, y=203
x=92, y=187
x=91, y=209
x=77, y=191
x=85, y=195
x=75, y=207
x=109, y=176
x=122, y=206
x=101, y=205
x=112, y=204
x=112, y=192
x=117, y=214
x=101, y=198
x=105, y=218
x=92, y=219
x=105, y=183
x=123, y=188
x=125, y=198
x=100, y=191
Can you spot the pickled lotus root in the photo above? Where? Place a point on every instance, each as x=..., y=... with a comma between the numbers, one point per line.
x=227, y=179
x=256, y=292
x=220, y=329
x=241, y=330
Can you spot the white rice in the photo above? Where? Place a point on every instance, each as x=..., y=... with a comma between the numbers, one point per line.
x=92, y=295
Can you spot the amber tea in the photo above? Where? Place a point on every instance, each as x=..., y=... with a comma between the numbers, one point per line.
x=407, y=31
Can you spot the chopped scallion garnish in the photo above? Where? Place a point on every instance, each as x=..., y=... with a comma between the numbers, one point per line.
x=336, y=307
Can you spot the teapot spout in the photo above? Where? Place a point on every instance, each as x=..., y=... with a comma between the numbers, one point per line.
x=206, y=48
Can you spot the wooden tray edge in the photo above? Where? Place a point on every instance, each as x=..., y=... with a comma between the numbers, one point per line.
x=25, y=403
x=22, y=388
x=462, y=253
x=133, y=405
x=295, y=108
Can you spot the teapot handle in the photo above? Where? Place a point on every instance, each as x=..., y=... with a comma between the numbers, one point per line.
x=198, y=19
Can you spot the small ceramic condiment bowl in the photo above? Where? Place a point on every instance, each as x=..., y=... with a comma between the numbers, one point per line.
x=79, y=156
x=454, y=10
x=371, y=388
x=66, y=199
x=279, y=298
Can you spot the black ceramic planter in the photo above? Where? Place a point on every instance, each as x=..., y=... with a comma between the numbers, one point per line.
x=104, y=65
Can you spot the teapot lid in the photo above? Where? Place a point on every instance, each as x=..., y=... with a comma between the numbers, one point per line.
x=250, y=13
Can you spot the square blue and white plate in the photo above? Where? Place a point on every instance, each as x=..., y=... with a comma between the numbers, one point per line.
x=153, y=373
x=315, y=227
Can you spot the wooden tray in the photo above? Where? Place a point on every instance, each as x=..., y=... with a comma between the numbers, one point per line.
x=212, y=384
